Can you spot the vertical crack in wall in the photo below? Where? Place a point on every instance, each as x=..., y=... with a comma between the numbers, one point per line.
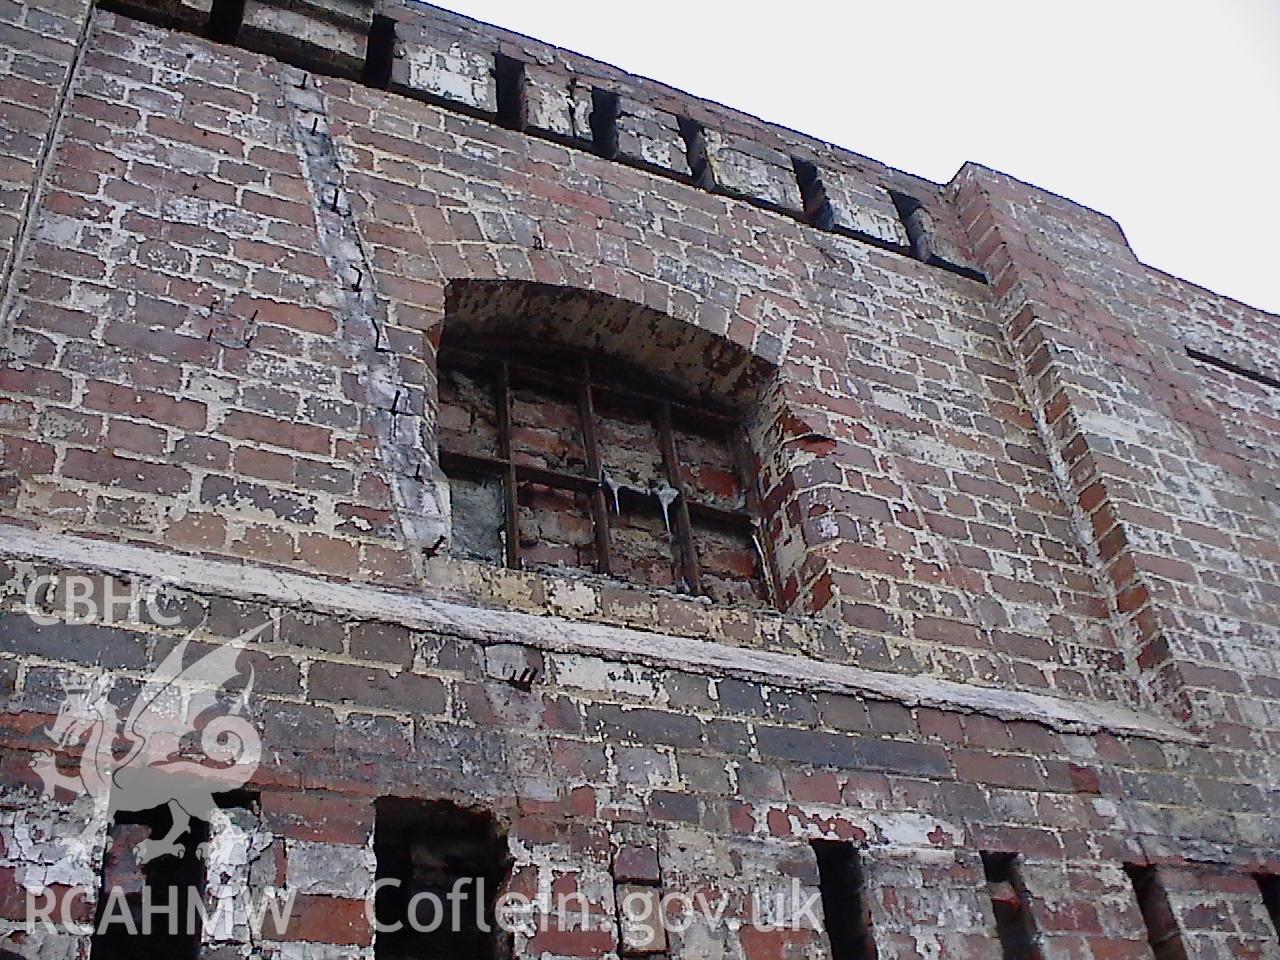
x=419, y=500
x=26, y=223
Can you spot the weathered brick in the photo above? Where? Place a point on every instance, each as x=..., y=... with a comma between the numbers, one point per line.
x=369, y=686
x=976, y=495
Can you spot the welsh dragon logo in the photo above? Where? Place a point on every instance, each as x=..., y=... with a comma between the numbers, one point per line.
x=146, y=761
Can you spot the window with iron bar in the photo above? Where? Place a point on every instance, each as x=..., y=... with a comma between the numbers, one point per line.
x=560, y=460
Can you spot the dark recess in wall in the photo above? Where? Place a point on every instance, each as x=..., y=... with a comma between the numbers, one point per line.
x=437, y=848
x=378, y=52
x=1157, y=915
x=225, y=19
x=817, y=208
x=844, y=907
x=508, y=72
x=695, y=148
x=1014, y=922
x=1269, y=884
x=604, y=122
x=1210, y=360
x=156, y=894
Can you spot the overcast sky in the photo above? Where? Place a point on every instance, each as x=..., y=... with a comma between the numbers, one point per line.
x=1164, y=114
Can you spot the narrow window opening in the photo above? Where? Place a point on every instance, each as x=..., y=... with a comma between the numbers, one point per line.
x=509, y=74
x=225, y=18
x=604, y=122
x=695, y=149
x=845, y=909
x=817, y=208
x=453, y=856
x=1157, y=915
x=1210, y=360
x=915, y=219
x=379, y=50
x=148, y=908
x=1270, y=887
x=1010, y=902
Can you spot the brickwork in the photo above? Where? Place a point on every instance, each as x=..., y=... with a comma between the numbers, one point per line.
x=1167, y=457
x=903, y=485
x=42, y=44
x=1013, y=589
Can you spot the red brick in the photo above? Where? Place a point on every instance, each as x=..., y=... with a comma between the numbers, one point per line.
x=329, y=920
x=144, y=404
x=278, y=433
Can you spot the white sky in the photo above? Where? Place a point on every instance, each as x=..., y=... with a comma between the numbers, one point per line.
x=1164, y=114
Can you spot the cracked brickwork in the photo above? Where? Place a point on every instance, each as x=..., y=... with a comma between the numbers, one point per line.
x=1024, y=543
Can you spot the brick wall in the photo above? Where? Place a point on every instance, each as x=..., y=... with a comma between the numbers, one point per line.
x=42, y=43
x=1025, y=542
x=199, y=374
x=1168, y=457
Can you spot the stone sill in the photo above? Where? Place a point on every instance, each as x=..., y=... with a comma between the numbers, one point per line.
x=558, y=634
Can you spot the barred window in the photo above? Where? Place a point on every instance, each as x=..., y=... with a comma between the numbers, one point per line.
x=563, y=461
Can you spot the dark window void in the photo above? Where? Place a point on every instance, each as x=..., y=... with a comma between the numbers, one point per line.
x=1011, y=904
x=438, y=849
x=1157, y=915
x=225, y=18
x=147, y=910
x=817, y=208
x=915, y=219
x=845, y=910
x=562, y=462
x=508, y=73
x=379, y=51
x=604, y=122
x=695, y=150
x=1270, y=887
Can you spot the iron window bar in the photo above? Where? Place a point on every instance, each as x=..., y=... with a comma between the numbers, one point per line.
x=577, y=384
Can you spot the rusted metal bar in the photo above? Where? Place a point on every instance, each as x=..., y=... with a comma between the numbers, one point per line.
x=478, y=463
x=684, y=527
x=511, y=512
x=495, y=466
x=480, y=362
x=595, y=467
x=733, y=519
x=751, y=496
x=703, y=415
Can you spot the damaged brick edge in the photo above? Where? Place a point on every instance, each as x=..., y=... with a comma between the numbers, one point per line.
x=487, y=627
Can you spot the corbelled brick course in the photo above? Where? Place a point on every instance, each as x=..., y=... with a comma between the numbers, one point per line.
x=1026, y=542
